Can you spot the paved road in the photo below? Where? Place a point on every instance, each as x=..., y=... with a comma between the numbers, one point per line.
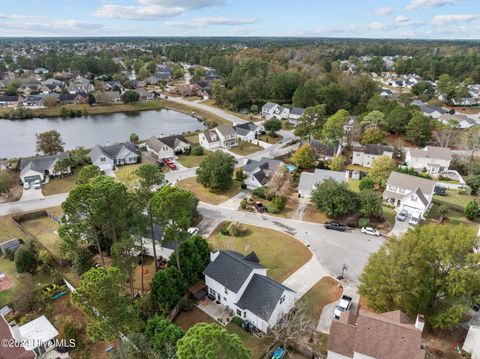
x=332, y=248
x=32, y=205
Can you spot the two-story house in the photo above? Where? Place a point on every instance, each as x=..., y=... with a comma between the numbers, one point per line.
x=364, y=155
x=110, y=157
x=309, y=181
x=240, y=283
x=259, y=173
x=223, y=136
x=274, y=110
x=167, y=147
x=248, y=131
x=411, y=193
x=433, y=159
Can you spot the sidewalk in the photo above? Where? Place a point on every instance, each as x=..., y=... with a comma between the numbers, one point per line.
x=306, y=277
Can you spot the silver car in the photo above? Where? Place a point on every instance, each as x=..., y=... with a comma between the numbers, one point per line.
x=402, y=215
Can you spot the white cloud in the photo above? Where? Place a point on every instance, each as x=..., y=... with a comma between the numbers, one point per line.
x=414, y=4
x=401, y=19
x=209, y=21
x=382, y=11
x=377, y=26
x=152, y=9
x=447, y=19
x=20, y=17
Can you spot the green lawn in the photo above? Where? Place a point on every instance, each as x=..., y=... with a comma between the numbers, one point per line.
x=453, y=198
x=192, y=137
x=455, y=203
x=9, y=230
x=354, y=185
x=192, y=160
x=325, y=291
x=203, y=194
x=45, y=230
x=358, y=168
x=245, y=148
x=61, y=185
x=281, y=253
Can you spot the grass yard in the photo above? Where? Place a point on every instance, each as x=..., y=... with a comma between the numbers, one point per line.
x=245, y=148
x=389, y=214
x=270, y=139
x=453, y=198
x=281, y=253
x=192, y=160
x=312, y=214
x=192, y=137
x=126, y=175
x=357, y=168
x=203, y=194
x=45, y=230
x=354, y=185
x=9, y=230
x=324, y=292
x=211, y=119
x=186, y=320
x=455, y=204
x=61, y=185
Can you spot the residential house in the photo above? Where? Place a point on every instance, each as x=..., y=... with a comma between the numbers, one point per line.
x=163, y=249
x=153, y=80
x=72, y=99
x=138, y=83
x=114, y=86
x=163, y=72
x=432, y=159
x=248, y=131
x=11, y=101
x=429, y=111
x=223, y=136
x=386, y=93
x=167, y=147
x=34, y=101
x=458, y=120
x=322, y=151
x=10, y=246
x=240, y=283
x=295, y=114
x=370, y=335
x=28, y=89
x=40, y=167
x=472, y=342
x=52, y=81
x=273, y=110
x=308, y=181
x=111, y=156
x=49, y=88
x=411, y=193
x=259, y=173
x=364, y=155
x=144, y=95
x=41, y=71
x=81, y=85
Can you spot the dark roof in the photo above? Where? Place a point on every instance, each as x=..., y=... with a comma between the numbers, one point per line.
x=68, y=96
x=11, y=244
x=231, y=269
x=297, y=111
x=261, y=296
x=261, y=177
x=323, y=150
x=113, y=150
x=172, y=141
x=245, y=128
x=40, y=163
x=265, y=163
x=9, y=98
x=12, y=352
x=373, y=149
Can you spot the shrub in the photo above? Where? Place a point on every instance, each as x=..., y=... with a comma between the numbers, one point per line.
x=239, y=175
x=236, y=229
x=363, y=222
x=224, y=230
x=197, y=151
x=366, y=183
x=238, y=321
x=260, y=193
x=276, y=205
x=243, y=186
x=244, y=203
x=26, y=258
x=471, y=210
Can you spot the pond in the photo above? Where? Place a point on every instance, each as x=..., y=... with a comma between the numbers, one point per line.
x=17, y=137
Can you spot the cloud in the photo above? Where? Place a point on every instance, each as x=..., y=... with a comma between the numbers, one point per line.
x=382, y=11
x=447, y=19
x=377, y=26
x=210, y=21
x=415, y=4
x=400, y=19
x=20, y=17
x=153, y=9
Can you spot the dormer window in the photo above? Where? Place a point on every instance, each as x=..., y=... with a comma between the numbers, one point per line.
x=282, y=299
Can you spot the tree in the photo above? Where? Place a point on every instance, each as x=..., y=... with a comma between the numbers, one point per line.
x=474, y=183
x=49, y=142
x=11, y=89
x=338, y=163
x=254, y=109
x=26, y=258
x=463, y=89
x=211, y=341
x=373, y=135
x=272, y=126
x=446, y=86
x=166, y=289
x=334, y=127
x=334, y=198
x=216, y=171
x=446, y=134
x=112, y=314
x=366, y=183
x=418, y=130
x=311, y=123
x=87, y=173
x=370, y=204
x=471, y=210
x=397, y=119
x=26, y=295
x=374, y=119
x=197, y=151
x=381, y=169
x=130, y=96
x=423, y=87
x=163, y=334
x=62, y=166
x=304, y=157
x=469, y=141
x=430, y=270
x=6, y=182
x=133, y=137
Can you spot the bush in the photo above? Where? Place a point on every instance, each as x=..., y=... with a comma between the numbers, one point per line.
x=224, y=230
x=260, y=193
x=471, y=210
x=236, y=229
x=239, y=175
x=366, y=183
x=238, y=321
x=276, y=205
x=243, y=186
x=363, y=222
x=26, y=258
x=244, y=203
x=197, y=151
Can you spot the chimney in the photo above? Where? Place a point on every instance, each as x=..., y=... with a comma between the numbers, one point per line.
x=420, y=322
x=214, y=254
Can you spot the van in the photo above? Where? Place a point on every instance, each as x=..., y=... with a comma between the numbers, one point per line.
x=37, y=184
x=414, y=220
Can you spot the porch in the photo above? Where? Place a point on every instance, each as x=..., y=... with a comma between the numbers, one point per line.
x=218, y=312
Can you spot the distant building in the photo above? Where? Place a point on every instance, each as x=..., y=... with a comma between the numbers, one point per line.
x=308, y=181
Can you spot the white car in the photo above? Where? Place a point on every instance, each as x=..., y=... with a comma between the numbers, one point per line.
x=37, y=184
x=26, y=185
x=371, y=231
x=193, y=230
x=414, y=220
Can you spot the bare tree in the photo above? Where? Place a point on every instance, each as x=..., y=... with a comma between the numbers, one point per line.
x=470, y=141
x=446, y=135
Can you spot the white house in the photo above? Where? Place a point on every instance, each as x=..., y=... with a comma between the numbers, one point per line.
x=432, y=159
x=308, y=181
x=240, y=283
x=472, y=341
x=462, y=121
x=168, y=147
x=364, y=155
x=40, y=167
x=295, y=114
x=429, y=111
x=248, y=131
x=259, y=173
x=110, y=157
x=223, y=136
x=370, y=335
x=411, y=193
x=274, y=110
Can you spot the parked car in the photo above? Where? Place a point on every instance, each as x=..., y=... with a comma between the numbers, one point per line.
x=402, y=215
x=37, y=184
x=414, y=220
x=441, y=191
x=170, y=164
x=259, y=207
x=370, y=231
x=160, y=163
x=193, y=230
x=343, y=305
x=336, y=226
x=26, y=185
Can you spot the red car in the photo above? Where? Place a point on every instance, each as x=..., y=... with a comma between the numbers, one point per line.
x=169, y=163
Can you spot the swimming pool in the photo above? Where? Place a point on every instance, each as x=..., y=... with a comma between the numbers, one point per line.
x=290, y=168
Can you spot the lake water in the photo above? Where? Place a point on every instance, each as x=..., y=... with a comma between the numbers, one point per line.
x=17, y=137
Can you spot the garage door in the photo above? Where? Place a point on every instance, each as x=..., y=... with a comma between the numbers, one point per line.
x=31, y=179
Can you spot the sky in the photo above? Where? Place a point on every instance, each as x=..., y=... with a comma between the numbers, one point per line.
x=423, y=19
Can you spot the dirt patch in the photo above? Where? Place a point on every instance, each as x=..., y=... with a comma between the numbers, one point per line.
x=5, y=282
x=443, y=343
x=15, y=191
x=186, y=320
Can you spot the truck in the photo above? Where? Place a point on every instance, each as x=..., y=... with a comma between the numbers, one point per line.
x=343, y=305
x=335, y=226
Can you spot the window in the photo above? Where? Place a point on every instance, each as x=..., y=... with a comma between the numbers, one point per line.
x=392, y=188
x=225, y=299
x=212, y=291
x=239, y=312
x=244, y=314
x=226, y=290
x=401, y=190
x=282, y=299
x=414, y=198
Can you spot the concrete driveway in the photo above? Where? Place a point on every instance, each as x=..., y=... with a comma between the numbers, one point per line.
x=328, y=316
x=400, y=227
x=31, y=195
x=306, y=277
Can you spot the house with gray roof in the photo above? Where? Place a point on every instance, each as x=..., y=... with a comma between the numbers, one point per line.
x=308, y=181
x=240, y=283
x=365, y=155
x=432, y=159
x=40, y=167
x=274, y=110
x=248, y=131
x=223, y=136
x=295, y=114
x=429, y=111
x=259, y=173
x=167, y=147
x=110, y=157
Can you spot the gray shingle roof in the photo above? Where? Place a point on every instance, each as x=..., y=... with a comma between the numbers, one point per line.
x=226, y=130
x=40, y=163
x=265, y=163
x=372, y=149
x=411, y=183
x=309, y=180
x=231, y=269
x=297, y=111
x=245, y=128
x=261, y=296
x=111, y=151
